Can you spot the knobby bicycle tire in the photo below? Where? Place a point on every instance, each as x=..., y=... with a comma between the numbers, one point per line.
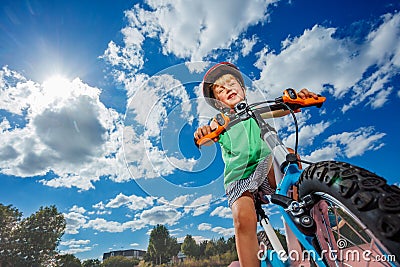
x=363, y=194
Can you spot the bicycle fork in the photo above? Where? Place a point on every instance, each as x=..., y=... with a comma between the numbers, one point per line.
x=272, y=236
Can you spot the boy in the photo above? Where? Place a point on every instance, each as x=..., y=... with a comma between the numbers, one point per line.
x=246, y=156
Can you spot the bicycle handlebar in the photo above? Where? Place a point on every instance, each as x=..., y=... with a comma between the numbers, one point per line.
x=290, y=99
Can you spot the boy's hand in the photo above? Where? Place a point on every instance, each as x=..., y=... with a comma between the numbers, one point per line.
x=304, y=93
x=203, y=131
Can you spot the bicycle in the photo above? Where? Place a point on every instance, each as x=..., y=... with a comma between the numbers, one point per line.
x=341, y=211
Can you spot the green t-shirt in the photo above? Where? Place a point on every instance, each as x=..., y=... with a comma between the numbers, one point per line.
x=242, y=150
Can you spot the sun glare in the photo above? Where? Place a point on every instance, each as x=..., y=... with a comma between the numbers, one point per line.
x=56, y=86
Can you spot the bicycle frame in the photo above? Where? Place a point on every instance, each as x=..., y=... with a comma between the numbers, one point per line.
x=284, y=180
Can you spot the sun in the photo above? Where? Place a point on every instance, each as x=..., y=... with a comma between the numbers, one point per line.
x=56, y=86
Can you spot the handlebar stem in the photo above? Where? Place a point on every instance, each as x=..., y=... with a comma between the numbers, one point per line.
x=278, y=149
x=270, y=136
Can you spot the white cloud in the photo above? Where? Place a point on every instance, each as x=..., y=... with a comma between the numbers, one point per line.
x=75, y=246
x=192, y=29
x=286, y=124
x=316, y=59
x=301, y=58
x=329, y=152
x=150, y=102
x=349, y=144
x=74, y=222
x=133, y=202
x=77, y=209
x=13, y=86
x=380, y=98
x=307, y=133
x=179, y=201
x=200, y=205
x=69, y=181
x=223, y=212
x=220, y=230
x=129, y=57
x=196, y=66
x=5, y=125
x=160, y=215
x=204, y=226
x=102, y=225
x=228, y=232
x=248, y=45
x=73, y=242
x=357, y=142
x=166, y=215
x=154, y=110
x=70, y=133
x=99, y=206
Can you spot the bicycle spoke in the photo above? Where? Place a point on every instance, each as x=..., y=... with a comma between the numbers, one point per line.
x=356, y=239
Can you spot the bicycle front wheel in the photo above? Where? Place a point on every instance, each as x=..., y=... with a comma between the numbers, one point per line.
x=357, y=214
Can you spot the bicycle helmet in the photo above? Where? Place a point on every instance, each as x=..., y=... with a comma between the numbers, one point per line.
x=213, y=74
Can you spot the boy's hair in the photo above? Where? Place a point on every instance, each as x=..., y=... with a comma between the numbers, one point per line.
x=223, y=79
x=213, y=74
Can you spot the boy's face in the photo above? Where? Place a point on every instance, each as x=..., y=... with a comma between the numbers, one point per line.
x=229, y=92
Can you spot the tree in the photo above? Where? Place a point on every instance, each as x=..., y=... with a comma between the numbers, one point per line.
x=9, y=221
x=31, y=241
x=202, y=248
x=91, y=263
x=190, y=248
x=120, y=261
x=210, y=249
x=68, y=260
x=161, y=245
x=41, y=233
x=221, y=246
x=174, y=247
x=231, y=244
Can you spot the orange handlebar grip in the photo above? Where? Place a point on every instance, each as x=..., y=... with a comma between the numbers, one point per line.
x=222, y=122
x=290, y=97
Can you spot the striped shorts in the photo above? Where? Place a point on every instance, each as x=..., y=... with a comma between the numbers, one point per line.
x=255, y=183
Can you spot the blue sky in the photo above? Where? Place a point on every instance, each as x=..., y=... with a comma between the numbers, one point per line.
x=99, y=101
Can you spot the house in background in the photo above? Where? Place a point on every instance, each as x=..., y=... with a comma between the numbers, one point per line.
x=129, y=253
